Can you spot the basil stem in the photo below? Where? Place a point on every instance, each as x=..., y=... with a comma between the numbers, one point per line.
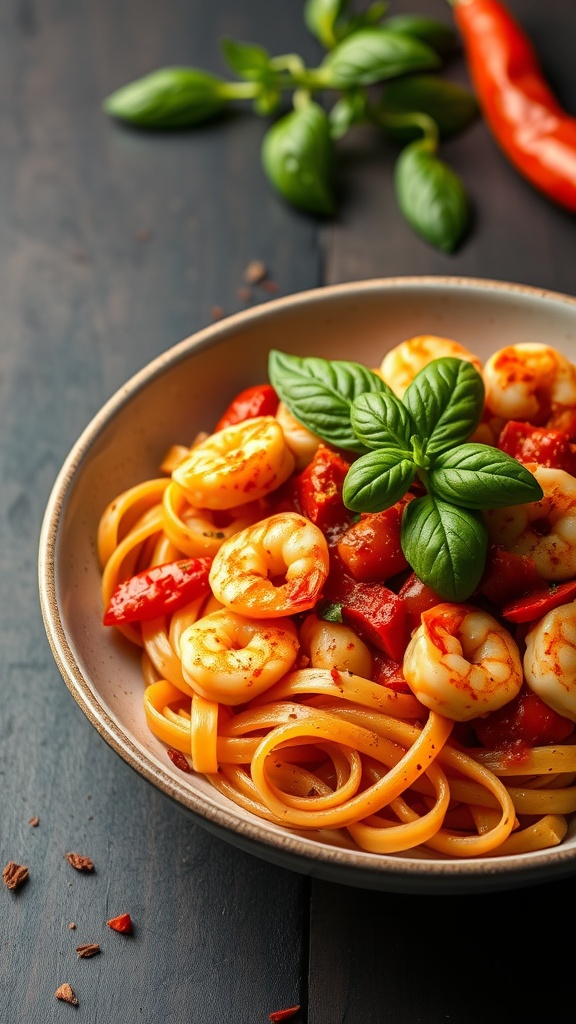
x=451, y=106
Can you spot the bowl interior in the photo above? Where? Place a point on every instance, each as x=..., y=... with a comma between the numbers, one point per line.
x=184, y=391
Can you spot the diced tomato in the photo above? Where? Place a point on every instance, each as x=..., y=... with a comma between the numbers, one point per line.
x=319, y=490
x=533, y=606
x=417, y=597
x=388, y=672
x=376, y=613
x=258, y=400
x=546, y=446
x=524, y=720
x=370, y=549
x=507, y=576
x=157, y=591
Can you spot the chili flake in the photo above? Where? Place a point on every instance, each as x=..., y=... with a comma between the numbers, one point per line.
x=14, y=874
x=65, y=993
x=122, y=923
x=79, y=862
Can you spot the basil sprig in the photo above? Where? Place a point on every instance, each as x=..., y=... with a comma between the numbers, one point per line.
x=383, y=72
x=421, y=439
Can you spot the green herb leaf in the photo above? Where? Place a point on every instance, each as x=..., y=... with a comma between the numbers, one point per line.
x=479, y=476
x=378, y=480
x=431, y=196
x=445, y=400
x=331, y=613
x=372, y=55
x=445, y=545
x=380, y=419
x=297, y=158
x=349, y=110
x=168, y=98
x=320, y=392
x=440, y=36
x=321, y=17
x=247, y=60
x=450, y=105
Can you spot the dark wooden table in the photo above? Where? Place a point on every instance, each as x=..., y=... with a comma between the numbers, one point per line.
x=114, y=245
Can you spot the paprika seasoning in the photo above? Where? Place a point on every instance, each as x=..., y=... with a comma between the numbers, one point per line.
x=531, y=127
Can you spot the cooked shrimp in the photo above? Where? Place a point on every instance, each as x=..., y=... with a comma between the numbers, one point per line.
x=276, y=567
x=402, y=363
x=239, y=464
x=335, y=645
x=462, y=663
x=550, y=660
x=529, y=381
x=301, y=441
x=546, y=529
x=230, y=659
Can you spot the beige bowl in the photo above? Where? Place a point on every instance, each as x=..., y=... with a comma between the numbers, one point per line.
x=183, y=391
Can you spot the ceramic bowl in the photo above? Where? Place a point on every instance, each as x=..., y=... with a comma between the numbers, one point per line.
x=184, y=390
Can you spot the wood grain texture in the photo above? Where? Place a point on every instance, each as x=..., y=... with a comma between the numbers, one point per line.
x=115, y=244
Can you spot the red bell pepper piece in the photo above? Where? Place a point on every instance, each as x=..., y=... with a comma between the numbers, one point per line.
x=258, y=400
x=158, y=591
x=508, y=576
x=371, y=548
x=418, y=598
x=376, y=613
x=319, y=490
x=525, y=720
x=533, y=606
x=388, y=672
x=547, y=447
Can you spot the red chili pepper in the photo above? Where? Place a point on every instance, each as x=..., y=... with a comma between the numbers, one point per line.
x=258, y=400
x=533, y=606
x=158, y=591
x=527, y=121
x=122, y=923
x=179, y=760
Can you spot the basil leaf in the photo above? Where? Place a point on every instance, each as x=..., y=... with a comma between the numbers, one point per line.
x=320, y=392
x=446, y=400
x=450, y=105
x=247, y=60
x=297, y=158
x=372, y=55
x=440, y=36
x=168, y=98
x=445, y=545
x=381, y=419
x=378, y=480
x=349, y=110
x=479, y=476
x=431, y=196
x=321, y=16
x=330, y=612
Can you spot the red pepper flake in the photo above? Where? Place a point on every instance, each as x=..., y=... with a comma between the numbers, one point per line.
x=65, y=993
x=216, y=312
x=79, y=862
x=34, y=821
x=72, y=926
x=290, y=1011
x=122, y=923
x=179, y=759
x=14, y=874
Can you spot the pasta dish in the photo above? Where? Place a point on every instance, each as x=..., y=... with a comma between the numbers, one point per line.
x=354, y=599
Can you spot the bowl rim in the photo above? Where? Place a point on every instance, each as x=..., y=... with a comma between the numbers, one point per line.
x=256, y=836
